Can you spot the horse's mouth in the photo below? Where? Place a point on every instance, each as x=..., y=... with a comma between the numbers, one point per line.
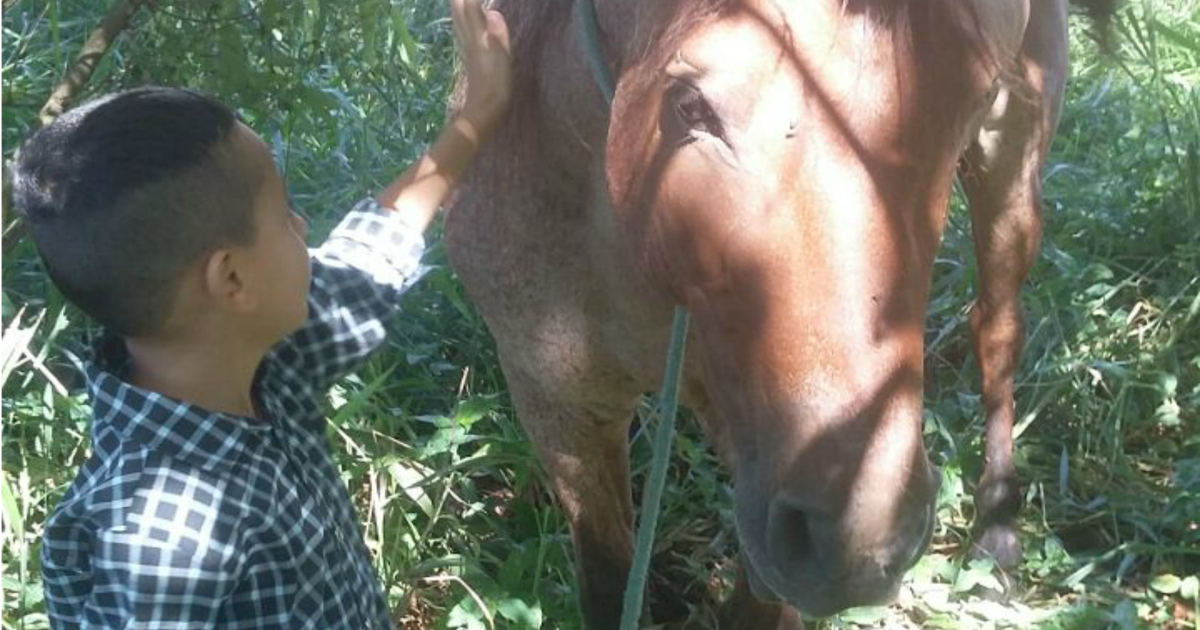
x=824, y=600
x=829, y=597
x=757, y=586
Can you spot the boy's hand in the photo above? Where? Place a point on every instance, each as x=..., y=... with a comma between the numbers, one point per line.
x=483, y=39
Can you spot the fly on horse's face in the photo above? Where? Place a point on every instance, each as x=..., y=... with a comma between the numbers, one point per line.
x=788, y=186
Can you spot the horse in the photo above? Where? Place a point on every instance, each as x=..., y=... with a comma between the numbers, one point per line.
x=782, y=169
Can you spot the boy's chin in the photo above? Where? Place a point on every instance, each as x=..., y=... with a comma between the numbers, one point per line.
x=297, y=322
x=288, y=326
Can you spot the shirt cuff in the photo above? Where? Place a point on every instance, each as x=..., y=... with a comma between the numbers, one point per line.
x=378, y=241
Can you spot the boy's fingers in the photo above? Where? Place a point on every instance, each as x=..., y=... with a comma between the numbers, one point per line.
x=457, y=11
x=460, y=22
x=469, y=14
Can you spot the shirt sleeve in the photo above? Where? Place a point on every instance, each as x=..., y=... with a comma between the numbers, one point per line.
x=170, y=562
x=66, y=576
x=370, y=258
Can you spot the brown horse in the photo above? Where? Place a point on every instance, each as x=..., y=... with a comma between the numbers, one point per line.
x=782, y=169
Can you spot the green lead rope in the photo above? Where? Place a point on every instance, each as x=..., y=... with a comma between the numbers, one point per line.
x=591, y=43
x=668, y=403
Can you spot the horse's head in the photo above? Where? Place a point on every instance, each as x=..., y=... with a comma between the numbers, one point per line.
x=782, y=169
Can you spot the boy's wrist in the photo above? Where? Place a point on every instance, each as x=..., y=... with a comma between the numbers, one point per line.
x=480, y=119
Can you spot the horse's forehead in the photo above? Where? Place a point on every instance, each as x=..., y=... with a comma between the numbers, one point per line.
x=761, y=38
x=830, y=25
x=777, y=23
x=840, y=59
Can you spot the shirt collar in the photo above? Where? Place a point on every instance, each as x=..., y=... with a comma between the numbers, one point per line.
x=205, y=438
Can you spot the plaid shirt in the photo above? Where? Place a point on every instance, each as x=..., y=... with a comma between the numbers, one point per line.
x=188, y=518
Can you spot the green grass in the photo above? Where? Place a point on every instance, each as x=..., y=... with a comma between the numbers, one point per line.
x=464, y=530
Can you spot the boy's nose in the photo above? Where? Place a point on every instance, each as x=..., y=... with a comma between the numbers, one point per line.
x=301, y=224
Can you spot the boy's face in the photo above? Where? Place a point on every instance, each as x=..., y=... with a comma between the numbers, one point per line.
x=277, y=261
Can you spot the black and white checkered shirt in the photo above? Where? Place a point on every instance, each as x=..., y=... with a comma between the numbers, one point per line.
x=186, y=518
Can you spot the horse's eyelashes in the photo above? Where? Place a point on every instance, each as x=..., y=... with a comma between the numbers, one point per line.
x=694, y=110
x=691, y=108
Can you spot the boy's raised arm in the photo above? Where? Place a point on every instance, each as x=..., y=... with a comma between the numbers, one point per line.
x=483, y=41
x=371, y=258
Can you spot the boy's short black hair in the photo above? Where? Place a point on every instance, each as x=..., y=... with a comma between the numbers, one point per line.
x=122, y=193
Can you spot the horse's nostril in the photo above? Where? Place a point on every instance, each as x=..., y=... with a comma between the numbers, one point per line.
x=791, y=535
x=921, y=533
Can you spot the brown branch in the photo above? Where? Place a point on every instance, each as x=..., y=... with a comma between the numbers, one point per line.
x=93, y=51
x=76, y=77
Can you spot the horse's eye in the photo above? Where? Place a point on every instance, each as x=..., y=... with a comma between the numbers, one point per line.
x=693, y=110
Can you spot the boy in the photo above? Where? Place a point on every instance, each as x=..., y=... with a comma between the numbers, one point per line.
x=211, y=499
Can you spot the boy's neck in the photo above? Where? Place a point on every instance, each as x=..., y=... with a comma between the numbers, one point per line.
x=215, y=376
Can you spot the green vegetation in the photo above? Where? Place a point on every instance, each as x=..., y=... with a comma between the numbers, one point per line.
x=465, y=532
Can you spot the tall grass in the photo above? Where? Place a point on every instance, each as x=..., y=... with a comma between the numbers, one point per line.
x=464, y=531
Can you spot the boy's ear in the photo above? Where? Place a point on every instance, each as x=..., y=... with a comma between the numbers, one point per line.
x=225, y=280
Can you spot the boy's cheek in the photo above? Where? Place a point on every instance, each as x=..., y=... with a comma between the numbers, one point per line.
x=303, y=314
x=305, y=287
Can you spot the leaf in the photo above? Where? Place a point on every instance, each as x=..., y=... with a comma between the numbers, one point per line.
x=944, y=621
x=32, y=595
x=409, y=479
x=269, y=11
x=466, y=614
x=1079, y=575
x=473, y=409
x=442, y=280
x=312, y=23
x=359, y=398
x=12, y=512
x=1167, y=583
x=978, y=573
x=520, y=613
x=932, y=568
x=408, y=45
x=232, y=60
x=368, y=22
x=1189, y=588
x=1168, y=413
x=324, y=103
x=1125, y=615
x=1176, y=37
x=14, y=343
x=7, y=309
x=865, y=615
x=1187, y=474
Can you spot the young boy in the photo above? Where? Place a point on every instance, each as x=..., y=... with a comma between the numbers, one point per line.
x=211, y=499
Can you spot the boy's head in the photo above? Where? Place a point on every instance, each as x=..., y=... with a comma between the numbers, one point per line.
x=152, y=197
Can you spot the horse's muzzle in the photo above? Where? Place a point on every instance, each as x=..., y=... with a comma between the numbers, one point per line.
x=812, y=565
